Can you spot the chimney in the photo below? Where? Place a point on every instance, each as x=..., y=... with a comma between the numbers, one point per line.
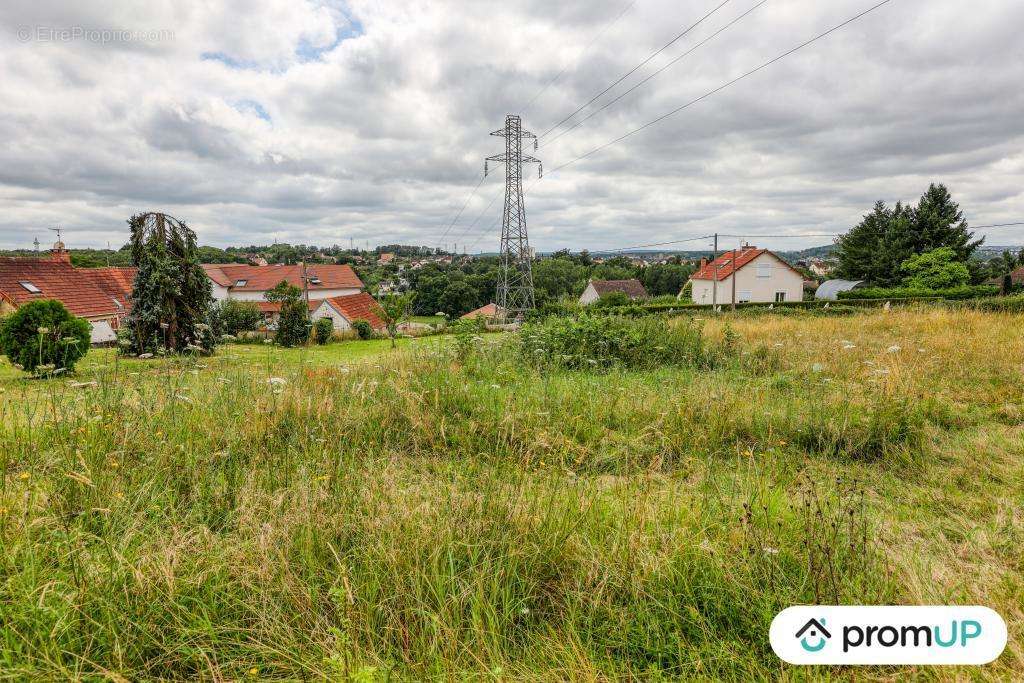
x=703, y=262
x=59, y=253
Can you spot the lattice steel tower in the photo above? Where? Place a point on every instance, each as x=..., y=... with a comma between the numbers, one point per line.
x=515, y=280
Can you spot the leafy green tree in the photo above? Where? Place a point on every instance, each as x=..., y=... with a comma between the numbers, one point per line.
x=396, y=308
x=293, y=321
x=43, y=337
x=457, y=298
x=234, y=317
x=171, y=296
x=665, y=278
x=935, y=269
x=557, y=277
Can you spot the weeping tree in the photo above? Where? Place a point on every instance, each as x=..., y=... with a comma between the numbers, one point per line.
x=172, y=295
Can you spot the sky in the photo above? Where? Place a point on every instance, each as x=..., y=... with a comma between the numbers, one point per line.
x=326, y=121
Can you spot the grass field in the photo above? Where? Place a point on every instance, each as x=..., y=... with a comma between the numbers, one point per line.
x=446, y=511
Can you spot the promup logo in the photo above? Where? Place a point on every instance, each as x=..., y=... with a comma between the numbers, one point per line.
x=817, y=630
x=888, y=635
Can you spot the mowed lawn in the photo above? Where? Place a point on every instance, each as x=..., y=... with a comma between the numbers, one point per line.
x=449, y=511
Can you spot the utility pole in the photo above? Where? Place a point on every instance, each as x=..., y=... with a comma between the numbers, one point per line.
x=515, y=277
x=735, y=255
x=714, y=282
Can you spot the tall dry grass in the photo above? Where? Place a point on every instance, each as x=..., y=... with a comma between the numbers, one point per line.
x=456, y=514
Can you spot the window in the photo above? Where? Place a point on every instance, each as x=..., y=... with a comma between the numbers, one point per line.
x=314, y=281
x=743, y=297
x=780, y=297
x=30, y=287
x=764, y=269
x=241, y=283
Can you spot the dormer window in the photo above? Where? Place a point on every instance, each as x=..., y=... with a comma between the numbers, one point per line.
x=241, y=283
x=315, y=281
x=30, y=287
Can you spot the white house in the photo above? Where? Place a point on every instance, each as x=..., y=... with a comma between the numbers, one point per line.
x=345, y=310
x=759, y=275
x=597, y=288
x=244, y=282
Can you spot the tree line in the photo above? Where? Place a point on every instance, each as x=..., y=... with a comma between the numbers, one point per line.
x=924, y=246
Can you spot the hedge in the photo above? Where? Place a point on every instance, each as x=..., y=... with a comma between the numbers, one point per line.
x=955, y=293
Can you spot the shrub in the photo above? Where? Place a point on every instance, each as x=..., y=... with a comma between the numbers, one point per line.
x=43, y=337
x=323, y=330
x=612, y=299
x=964, y=292
x=363, y=329
x=1005, y=304
x=597, y=342
x=234, y=317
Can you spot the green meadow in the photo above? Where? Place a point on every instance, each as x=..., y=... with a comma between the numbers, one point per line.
x=495, y=508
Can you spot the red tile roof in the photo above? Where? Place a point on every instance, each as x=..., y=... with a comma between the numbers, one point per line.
x=360, y=306
x=86, y=292
x=733, y=260
x=487, y=311
x=262, y=278
x=724, y=265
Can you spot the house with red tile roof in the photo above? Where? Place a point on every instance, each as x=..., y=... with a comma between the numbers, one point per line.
x=245, y=282
x=345, y=310
x=749, y=275
x=489, y=311
x=100, y=295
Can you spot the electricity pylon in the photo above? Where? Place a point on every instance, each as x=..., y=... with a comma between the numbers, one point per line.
x=515, y=279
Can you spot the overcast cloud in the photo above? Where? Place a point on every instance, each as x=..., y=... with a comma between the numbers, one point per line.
x=317, y=122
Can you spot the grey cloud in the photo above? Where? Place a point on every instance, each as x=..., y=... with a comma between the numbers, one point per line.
x=383, y=136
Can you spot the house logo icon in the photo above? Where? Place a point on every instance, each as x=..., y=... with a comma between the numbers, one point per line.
x=815, y=631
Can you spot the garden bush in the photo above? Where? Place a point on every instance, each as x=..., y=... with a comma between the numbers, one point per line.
x=42, y=337
x=600, y=342
x=234, y=317
x=323, y=330
x=363, y=329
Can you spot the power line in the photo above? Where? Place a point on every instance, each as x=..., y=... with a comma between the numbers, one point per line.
x=637, y=85
x=996, y=225
x=724, y=86
x=593, y=40
x=464, y=205
x=638, y=66
x=658, y=244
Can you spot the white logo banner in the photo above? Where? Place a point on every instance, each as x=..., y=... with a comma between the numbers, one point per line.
x=831, y=634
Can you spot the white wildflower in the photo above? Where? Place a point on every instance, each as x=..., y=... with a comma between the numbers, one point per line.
x=277, y=381
x=895, y=348
x=770, y=550
x=817, y=367
x=43, y=330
